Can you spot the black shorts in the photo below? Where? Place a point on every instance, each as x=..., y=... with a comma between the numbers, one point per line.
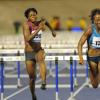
x=95, y=59
x=30, y=56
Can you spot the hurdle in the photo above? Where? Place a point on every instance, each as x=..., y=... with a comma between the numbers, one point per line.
x=72, y=93
x=47, y=50
x=71, y=76
x=72, y=84
x=73, y=73
x=22, y=58
x=74, y=69
x=2, y=59
x=1, y=78
x=19, y=58
x=56, y=79
x=9, y=58
x=10, y=51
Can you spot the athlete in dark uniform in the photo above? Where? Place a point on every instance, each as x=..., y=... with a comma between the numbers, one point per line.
x=32, y=30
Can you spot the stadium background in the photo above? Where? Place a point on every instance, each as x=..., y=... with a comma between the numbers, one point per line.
x=13, y=10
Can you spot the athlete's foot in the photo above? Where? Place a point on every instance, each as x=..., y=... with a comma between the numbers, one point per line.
x=34, y=97
x=43, y=86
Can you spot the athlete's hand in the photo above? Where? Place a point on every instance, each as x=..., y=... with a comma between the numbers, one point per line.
x=43, y=19
x=81, y=61
x=41, y=25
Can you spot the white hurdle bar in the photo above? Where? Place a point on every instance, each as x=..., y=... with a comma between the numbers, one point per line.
x=53, y=75
x=47, y=50
x=47, y=58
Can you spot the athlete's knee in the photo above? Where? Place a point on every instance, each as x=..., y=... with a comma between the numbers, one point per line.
x=94, y=72
x=32, y=77
x=41, y=61
x=32, y=80
x=40, y=57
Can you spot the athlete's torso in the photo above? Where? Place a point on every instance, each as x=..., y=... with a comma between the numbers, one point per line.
x=94, y=42
x=35, y=42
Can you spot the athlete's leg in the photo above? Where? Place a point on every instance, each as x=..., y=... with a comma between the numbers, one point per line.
x=31, y=69
x=94, y=73
x=40, y=57
x=99, y=71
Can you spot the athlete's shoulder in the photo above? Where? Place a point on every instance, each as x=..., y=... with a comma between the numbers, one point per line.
x=25, y=24
x=89, y=26
x=89, y=29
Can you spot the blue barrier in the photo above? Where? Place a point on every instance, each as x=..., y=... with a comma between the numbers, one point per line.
x=56, y=71
x=71, y=75
x=2, y=77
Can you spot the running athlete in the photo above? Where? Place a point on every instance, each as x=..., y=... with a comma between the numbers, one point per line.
x=92, y=35
x=32, y=31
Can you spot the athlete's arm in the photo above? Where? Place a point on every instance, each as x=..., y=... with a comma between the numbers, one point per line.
x=49, y=26
x=81, y=42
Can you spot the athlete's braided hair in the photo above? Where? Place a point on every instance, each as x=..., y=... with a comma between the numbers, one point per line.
x=93, y=13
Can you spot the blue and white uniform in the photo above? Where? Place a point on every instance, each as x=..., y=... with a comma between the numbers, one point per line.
x=94, y=42
x=94, y=39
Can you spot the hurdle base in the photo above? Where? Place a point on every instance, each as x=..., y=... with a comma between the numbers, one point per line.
x=50, y=73
x=2, y=97
x=57, y=96
x=19, y=86
x=88, y=83
x=76, y=85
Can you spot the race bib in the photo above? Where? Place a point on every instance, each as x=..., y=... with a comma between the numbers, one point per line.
x=37, y=38
x=96, y=42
